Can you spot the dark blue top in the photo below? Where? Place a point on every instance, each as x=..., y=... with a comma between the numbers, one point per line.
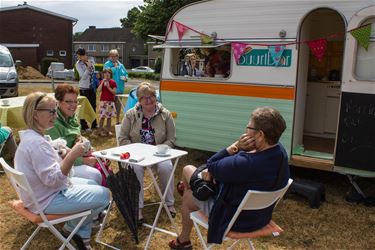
x=236, y=175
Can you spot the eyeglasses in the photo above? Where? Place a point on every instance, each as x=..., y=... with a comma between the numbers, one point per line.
x=252, y=128
x=71, y=102
x=148, y=98
x=51, y=111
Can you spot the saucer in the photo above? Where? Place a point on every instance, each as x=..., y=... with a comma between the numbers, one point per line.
x=5, y=105
x=162, y=155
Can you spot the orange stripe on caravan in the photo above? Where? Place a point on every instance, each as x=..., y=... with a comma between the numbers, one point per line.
x=229, y=89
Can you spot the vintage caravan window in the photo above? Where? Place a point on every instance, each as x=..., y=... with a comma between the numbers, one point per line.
x=365, y=61
x=202, y=62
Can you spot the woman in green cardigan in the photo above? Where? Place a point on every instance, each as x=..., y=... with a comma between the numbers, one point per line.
x=67, y=127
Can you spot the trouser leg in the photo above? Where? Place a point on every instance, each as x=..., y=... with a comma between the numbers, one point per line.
x=164, y=170
x=139, y=171
x=84, y=126
x=78, y=198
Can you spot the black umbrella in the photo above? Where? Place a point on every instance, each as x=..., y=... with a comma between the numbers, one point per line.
x=125, y=189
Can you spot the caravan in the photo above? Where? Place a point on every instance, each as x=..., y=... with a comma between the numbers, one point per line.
x=327, y=99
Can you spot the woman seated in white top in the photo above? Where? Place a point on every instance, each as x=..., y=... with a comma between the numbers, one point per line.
x=47, y=173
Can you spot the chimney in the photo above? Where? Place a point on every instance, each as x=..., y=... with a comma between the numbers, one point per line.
x=92, y=27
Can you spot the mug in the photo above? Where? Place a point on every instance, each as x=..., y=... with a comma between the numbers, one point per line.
x=162, y=149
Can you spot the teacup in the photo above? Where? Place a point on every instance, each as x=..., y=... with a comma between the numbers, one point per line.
x=5, y=102
x=162, y=149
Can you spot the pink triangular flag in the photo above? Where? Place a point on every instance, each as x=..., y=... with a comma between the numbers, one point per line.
x=239, y=49
x=318, y=48
x=181, y=29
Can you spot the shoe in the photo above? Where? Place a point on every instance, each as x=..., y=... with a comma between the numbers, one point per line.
x=354, y=197
x=81, y=244
x=180, y=188
x=172, y=210
x=140, y=222
x=177, y=245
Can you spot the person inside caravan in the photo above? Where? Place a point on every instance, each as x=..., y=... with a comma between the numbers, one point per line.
x=150, y=123
x=48, y=174
x=256, y=161
x=193, y=65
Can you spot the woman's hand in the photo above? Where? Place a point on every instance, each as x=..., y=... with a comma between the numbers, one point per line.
x=207, y=176
x=90, y=161
x=78, y=149
x=246, y=142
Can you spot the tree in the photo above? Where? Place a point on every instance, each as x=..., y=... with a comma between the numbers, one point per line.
x=129, y=21
x=154, y=16
x=76, y=35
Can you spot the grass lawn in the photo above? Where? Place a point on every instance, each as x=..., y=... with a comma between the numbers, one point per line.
x=335, y=225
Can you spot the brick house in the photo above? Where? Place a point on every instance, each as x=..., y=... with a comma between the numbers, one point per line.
x=32, y=33
x=98, y=42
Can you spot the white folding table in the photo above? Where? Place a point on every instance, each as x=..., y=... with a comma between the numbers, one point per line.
x=137, y=150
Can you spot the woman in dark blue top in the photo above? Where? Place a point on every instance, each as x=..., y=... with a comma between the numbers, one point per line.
x=257, y=161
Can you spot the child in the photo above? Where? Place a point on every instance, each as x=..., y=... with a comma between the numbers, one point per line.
x=97, y=79
x=107, y=90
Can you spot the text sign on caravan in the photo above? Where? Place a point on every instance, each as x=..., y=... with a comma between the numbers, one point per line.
x=262, y=57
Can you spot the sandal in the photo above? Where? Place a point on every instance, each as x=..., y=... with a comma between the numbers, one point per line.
x=177, y=245
x=180, y=187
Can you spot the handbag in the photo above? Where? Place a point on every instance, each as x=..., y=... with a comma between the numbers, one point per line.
x=202, y=189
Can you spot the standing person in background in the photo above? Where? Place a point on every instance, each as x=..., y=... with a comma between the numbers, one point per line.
x=119, y=75
x=107, y=90
x=85, y=70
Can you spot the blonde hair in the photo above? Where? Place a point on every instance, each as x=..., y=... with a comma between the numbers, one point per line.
x=145, y=88
x=32, y=102
x=113, y=52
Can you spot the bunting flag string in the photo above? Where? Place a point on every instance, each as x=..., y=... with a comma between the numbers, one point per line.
x=181, y=29
x=276, y=52
x=318, y=48
x=362, y=35
x=205, y=39
x=239, y=49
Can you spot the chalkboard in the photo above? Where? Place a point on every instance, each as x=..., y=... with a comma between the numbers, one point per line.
x=356, y=134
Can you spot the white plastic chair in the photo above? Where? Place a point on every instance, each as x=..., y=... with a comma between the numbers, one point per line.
x=253, y=200
x=19, y=181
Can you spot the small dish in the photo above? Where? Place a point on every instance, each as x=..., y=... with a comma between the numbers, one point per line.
x=162, y=155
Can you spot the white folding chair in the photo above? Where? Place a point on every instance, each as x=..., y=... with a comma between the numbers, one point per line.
x=253, y=200
x=19, y=182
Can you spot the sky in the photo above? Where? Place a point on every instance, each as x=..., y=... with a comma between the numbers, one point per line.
x=102, y=14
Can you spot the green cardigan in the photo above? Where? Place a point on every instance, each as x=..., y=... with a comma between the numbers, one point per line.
x=68, y=129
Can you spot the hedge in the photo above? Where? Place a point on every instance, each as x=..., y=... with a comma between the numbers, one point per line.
x=46, y=62
x=145, y=75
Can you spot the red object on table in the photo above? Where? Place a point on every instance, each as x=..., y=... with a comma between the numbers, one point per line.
x=124, y=156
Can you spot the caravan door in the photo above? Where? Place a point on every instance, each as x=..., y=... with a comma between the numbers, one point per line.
x=355, y=142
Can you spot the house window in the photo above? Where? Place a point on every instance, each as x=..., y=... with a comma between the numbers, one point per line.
x=62, y=52
x=91, y=47
x=365, y=61
x=105, y=47
x=49, y=52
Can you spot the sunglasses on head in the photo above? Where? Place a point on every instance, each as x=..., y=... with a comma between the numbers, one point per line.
x=51, y=111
